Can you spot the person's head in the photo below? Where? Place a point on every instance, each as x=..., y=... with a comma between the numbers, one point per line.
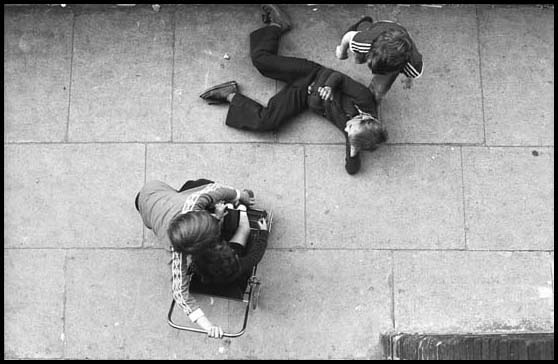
x=190, y=231
x=389, y=52
x=216, y=263
x=365, y=132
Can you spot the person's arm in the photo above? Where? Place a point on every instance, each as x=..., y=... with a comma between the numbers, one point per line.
x=256, y=249
x=187, y=302
x=226, y=194
x=341, y=49
x=361, y=95
x=333, y=80
x=413, y=68
x=331, y=83
x=242, y=233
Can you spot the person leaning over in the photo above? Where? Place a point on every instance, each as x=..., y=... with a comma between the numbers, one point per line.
x=387, y=49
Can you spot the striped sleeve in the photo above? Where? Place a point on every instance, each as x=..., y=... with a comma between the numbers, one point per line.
x=413, y=68
x=360, y=47
x=180, y=287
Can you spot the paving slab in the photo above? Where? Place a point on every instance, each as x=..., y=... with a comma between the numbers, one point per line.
x=201, y=44
x=517, y=60
x=318, y=305
x=122, y=75
x=464, y=291
x=33, y=303
x=72, y=195
x=117, y=304
x=444, y=105
x=404, y=197
x=37, y=61
x=509, y=194
x=274, y=172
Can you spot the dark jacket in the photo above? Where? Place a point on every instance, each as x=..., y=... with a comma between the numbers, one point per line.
x=346, y=94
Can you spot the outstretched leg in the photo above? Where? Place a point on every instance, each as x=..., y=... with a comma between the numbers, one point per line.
x=264, y=44
x=245, y=113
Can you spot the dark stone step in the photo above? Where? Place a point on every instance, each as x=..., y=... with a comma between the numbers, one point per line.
x=524, y=346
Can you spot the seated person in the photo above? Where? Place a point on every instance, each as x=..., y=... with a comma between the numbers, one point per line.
x=182, y=219
x=387, y=49
x=346, y=103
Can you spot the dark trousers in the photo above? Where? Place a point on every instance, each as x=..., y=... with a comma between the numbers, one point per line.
x=298, y=73
x=193, y=184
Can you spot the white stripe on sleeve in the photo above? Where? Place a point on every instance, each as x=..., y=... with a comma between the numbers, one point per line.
x=410, y=71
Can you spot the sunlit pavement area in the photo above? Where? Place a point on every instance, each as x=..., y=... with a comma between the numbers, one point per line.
x=448, y=228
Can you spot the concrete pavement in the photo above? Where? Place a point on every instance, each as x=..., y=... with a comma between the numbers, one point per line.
x=448, y=228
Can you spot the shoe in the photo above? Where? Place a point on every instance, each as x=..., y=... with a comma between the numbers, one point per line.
x=218, y=94
x=352, y=164
x=354, y=27
x=272, y=14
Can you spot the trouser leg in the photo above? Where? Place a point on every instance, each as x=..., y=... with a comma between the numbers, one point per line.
x=193, y=184
x=264, y=44
x=245, y=113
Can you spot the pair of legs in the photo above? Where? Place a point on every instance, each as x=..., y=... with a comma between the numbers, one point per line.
x=298, y=73
x=380, y=83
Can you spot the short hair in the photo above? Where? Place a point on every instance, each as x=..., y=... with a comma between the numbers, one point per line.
x=389, y=52
x=216, y=263
x=189, y=232
x=374, y=134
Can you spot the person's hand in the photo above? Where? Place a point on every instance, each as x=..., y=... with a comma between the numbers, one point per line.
x=247, y=198
x=215, y=332
x=262, y=224
x=220, y=210
x=325, y=93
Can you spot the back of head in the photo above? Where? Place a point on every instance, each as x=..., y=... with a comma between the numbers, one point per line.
x=190, y=231
x=370, y=136
x=390, y=51
x=216, y=263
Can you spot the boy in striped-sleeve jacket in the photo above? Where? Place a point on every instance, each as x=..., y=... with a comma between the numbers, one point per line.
x=386, y=47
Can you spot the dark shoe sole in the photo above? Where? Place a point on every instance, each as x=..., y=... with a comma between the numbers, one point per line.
x=287, y=22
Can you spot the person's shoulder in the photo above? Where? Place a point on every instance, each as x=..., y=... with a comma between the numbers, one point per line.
x=156, y=185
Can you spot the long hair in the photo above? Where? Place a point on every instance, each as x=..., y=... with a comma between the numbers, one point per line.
x=389, y=52
x=371, y=136
x=216, y=263
x=193, y=230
